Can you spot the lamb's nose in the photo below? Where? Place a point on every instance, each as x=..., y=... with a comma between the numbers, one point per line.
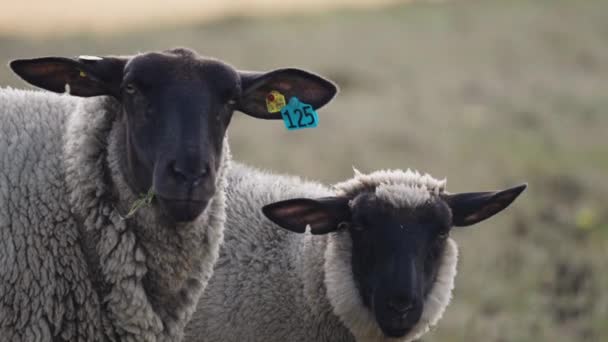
x=189, y=175
x=401, y=304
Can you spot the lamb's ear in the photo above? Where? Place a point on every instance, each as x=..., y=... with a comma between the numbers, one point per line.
x=472, y=207
x=307, y=87
x=323, y=214
x=85, y=76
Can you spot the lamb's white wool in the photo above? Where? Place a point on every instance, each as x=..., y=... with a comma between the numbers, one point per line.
x=403, y=196
x=438, y=299
x=348, y=306
x=273, y=285
x=342, y=292
x=369, y=182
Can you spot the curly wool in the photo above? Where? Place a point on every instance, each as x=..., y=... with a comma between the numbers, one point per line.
x=71, y=269
x=273, y=285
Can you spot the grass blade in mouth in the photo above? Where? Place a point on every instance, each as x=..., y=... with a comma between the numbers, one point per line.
x=144, y=200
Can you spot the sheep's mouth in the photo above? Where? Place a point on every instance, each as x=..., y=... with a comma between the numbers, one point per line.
x=395, y=324
x=182, y=210
x=395, y=333
x=395, y=328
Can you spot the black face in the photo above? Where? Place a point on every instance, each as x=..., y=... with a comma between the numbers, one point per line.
x=395, y=258
x=176, y=110
x=396, y=252
x=176, y=106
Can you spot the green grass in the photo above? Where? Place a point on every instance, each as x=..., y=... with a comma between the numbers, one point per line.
x=485, y=93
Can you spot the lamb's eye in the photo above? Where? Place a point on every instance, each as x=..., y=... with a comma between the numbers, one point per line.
x=344, y=225
x=358, y=227
x=130, y=88
x=360, y=223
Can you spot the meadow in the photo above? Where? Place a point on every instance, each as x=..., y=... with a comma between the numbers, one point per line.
x=488, y=94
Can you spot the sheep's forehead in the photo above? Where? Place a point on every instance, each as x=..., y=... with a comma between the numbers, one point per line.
x=403, y=196
x=162, y=66
x=178, y=64
x=401, y=189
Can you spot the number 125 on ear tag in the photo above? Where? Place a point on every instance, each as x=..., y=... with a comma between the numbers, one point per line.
x=298, y=115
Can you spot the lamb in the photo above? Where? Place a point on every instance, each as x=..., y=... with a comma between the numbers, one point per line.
x=376, y=262
x=79, y=262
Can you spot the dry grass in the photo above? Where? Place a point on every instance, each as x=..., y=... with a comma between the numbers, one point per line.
x=487, y=93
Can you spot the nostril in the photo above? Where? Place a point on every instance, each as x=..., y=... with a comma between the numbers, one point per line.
x=201, y=175
x=401, y=304
x=185, y=175
x=204, y=171
x=177, y=171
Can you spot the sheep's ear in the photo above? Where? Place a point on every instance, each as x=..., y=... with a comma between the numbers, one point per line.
x=309, y=88
x=323, y=214
x=85, y=76
x=472, y=207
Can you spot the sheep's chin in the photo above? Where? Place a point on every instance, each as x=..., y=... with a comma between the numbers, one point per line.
x=348, y=305
x=182, y=211
x=396, y=325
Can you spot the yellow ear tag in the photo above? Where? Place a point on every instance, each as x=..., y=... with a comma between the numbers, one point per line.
x=275, y=101
x=83, y=74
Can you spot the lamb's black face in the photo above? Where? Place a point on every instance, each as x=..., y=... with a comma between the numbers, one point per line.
x=397, y=250
x=395, y=258
x=176, y=108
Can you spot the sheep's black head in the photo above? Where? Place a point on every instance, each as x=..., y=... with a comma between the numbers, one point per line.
x=176, y=106
x=398, y=237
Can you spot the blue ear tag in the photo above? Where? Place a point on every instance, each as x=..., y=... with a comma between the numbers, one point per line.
x=298, y=115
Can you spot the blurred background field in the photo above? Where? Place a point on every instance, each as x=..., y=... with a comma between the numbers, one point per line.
x=486, y=93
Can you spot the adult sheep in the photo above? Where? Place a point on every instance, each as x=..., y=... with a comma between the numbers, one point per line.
x=75, y=263
x=378, y=266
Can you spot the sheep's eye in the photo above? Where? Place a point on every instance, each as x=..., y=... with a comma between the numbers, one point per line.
x=360, y=222
x=358, y=227
x=443, y=235
x=130, y=88
x=343, y=225
x=229, y=96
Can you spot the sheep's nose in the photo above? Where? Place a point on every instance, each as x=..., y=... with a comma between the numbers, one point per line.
x=189, y=175
x=401, y=304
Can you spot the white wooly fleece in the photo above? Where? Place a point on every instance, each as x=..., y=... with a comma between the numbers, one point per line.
x=400, y=188
x=71, y=269
x=273, y=285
